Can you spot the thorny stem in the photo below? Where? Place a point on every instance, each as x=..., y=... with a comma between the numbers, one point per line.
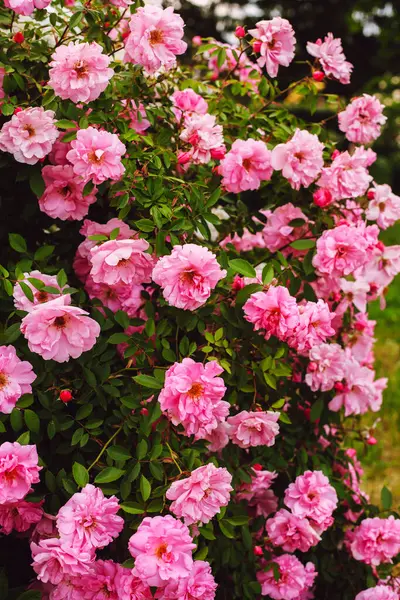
x=173, y=458
x=104, y=448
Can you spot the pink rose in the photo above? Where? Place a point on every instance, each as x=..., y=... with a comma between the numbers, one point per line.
x=330, y=55
x=376, y=541
x=53, y=561
x=192, y=396
x=275, y=311
x=58, y=331
x=198, y=585
x=187, y=276
x=276, y=44
x=63, y=196
x=362, y=119
x=312, y=496
x=200, y=496
x=19, y=470
x=96, y=155
x=16, y=377
x=29, y=135
x=291, y=532
x=245, y=166
x=121, y=262
x=248, y=429
x=79, y=72
x=162, y=549
x=89, y=520
x=155, y=38
x=300, y=159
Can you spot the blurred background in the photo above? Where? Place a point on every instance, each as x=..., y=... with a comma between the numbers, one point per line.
x=370, y=33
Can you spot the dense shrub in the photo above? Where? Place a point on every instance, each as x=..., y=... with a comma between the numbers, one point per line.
x=186, y=351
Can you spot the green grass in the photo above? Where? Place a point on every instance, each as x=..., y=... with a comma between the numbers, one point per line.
x=382, y=462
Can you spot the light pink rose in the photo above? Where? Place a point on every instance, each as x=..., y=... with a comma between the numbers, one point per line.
x=330, y=55
x=326, y=367
x=384, y=207
x=63, y=197
x=162, y=549
x=277, y=44
x=314, y=328
x=198, y=585
x=257, y=493
x=22, y=302
x=294, y=578
x=26, y=7
x=347, y=177
x=277, y=232
x=137, y=116
x=29, y=135
x=96, y=155
x=218, y=437
x=200, y=496
x=130, y=587
x=376, y=541
x=58, y=331
x=16, y=377
x=362, y=119
x=340, y=251
x=19, y=470
x=89, y=520
x=300, y=159
x=275, y=311
x=121, y=262
x=79, y=72
x=19, y=516
x=155, y=38
x=248, y=429
x=187, y=276
x=186, y=103
x=53, y=561
x=245, y=166
x=380, y=592
x=192, y=396
x=81, y=263
x=291, y=532
x=205, y=138
x=311, y=496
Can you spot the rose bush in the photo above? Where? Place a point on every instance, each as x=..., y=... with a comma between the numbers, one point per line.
x=185, y=347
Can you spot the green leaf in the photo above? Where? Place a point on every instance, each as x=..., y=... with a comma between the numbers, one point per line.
x=239, y=520
x=303, y=244
x=141, y=449
x=24, y=438
x=132, y=508
x=17, y=242
x=316, y=409
x=267, y=274
x=145, y=225
x=43, y=252
x=149, y=382
x=88, y=188
x=65, y=124
x=247, y=291
x=30, y=595
x=32, y=421
x=386, y=498
x=145, y=487
x=207, y=533
x=243, y=267
x=118, y=338
x=27, y=290
x=118, y=453
x=226, y=529
x=80, y=474
x=12, y=333
x=36, y=183
x=109, y=474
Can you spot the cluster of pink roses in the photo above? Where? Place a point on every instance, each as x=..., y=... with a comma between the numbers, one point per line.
x=19, y=470
x=192, y=397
